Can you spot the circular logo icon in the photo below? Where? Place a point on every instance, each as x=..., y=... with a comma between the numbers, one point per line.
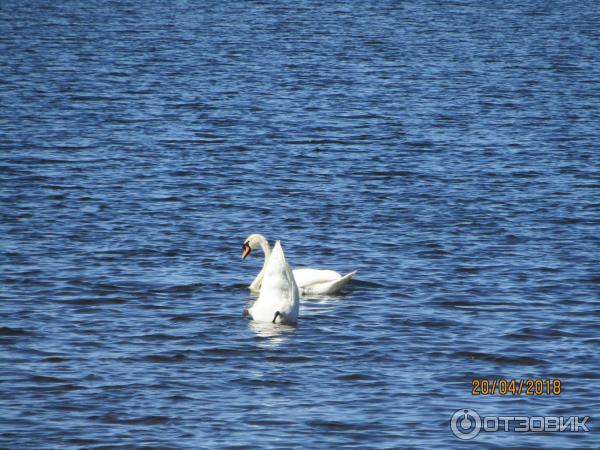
x=465, y=424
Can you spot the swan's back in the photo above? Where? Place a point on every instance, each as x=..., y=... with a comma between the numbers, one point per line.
x=278, y=291
x=306, y=276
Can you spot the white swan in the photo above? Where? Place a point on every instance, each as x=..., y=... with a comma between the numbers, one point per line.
x=278, y=299
x=309, y=281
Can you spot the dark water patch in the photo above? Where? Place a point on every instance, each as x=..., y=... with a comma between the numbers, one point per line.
x=226, y=352
x=179, y=288
x=594, y=279
x=540, y=333
x=364, y=283
x=420, y=144
x=45, y=379
x=468, y=270
x=526, y=174
x=83, y=442
x=264, y=383
x=96, y=301
x=315, y=142
x=176, y=358
x=144, y=420
x=549, y=269
x=180, y=398
x=332, y=425
x=179, y=142
x=448, y=303
x=84, y=311
x=157, y=337
x=501, y=359
x=55, y=359
x=435, y=323
x=433, y=254
x=183, y=173
x=168, y=199
x=386, y=174
x=55, y=388
x=587, y=186
x=354, y=377
x=193, y=106
x=182, y=319
x=8, y=331
x=269, y=422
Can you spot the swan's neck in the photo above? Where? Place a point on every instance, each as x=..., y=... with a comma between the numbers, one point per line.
x=264, y=244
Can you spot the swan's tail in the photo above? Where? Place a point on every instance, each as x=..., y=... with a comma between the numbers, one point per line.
x=278, y=276
x=330, y=287
x=339, y=284
x=277, y=260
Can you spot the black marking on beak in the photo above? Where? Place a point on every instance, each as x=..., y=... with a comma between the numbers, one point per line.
x=245, y=250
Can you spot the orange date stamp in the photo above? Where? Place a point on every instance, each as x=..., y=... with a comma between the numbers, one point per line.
x=503, y=386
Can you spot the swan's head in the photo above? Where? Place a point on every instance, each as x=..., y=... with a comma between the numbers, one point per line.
x=251, y=242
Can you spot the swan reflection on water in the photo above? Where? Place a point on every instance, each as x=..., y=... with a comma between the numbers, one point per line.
x=271, y=334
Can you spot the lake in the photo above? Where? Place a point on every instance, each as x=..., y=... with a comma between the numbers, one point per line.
x=447, y=151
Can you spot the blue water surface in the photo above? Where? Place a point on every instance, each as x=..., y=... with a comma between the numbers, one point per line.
x=447, y=150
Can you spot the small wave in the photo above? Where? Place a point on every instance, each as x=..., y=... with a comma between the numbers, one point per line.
x=529, y=333
x=354, y=377
x=46, y=379
x=224, y=351
x=455, y=303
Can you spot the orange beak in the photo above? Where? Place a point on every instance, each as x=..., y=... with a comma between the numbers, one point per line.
x=245, y=251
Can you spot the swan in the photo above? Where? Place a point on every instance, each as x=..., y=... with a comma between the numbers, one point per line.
x=278, y=299
x=309, y=281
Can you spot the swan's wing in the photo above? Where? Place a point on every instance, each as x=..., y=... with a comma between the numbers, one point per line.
x=306, y=277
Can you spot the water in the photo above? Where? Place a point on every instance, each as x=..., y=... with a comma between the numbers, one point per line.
x=448, y=151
